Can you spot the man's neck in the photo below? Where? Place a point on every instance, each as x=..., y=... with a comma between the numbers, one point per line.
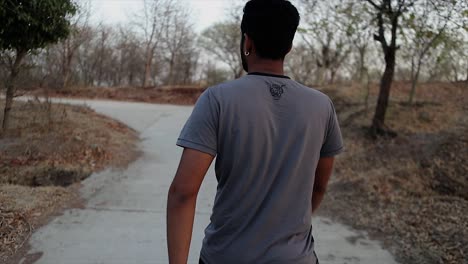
x=275, y=67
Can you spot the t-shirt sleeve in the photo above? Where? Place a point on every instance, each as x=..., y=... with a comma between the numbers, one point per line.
x=200, y=131
x=333, y=141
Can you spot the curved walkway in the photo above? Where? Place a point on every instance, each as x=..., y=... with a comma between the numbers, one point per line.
x=124, y=218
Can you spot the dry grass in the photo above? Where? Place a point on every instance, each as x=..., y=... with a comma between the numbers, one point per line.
x=179, y=95
x=65, y=145
x=47, y=148
x=23, y=209
x=409, y=190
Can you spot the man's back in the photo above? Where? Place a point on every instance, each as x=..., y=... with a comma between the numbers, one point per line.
x=268, y=133
x=272, y=137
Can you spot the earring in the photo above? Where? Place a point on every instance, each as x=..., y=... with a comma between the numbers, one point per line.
x=247, y=53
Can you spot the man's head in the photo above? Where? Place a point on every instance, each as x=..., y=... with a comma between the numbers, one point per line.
x=268, y=28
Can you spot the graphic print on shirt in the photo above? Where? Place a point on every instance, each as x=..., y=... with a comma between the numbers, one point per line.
x=276, y=90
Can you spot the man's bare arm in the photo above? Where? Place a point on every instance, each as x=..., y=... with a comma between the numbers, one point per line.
x=322, y=176
x=181, y=203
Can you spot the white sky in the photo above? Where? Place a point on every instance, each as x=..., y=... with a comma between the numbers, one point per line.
x=204, y=12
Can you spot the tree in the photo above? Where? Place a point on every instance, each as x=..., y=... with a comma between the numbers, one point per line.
x=214, y=75
x=387, y=15
x=354, y=22
x=449, y=61
x=301, y=64
x=130, y=58
x=28, y=26
x=325, y=38
x=222, y=40
x=80, y=32
x=102, y=54
x=178, y=42
x=156, y=18
x=392, y=19
x=424, y=31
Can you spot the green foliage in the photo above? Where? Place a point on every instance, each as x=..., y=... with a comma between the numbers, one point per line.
x=31, y=24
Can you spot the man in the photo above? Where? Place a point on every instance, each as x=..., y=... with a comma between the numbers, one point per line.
x=274, y=140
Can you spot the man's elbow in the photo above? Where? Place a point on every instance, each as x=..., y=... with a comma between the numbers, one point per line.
x=178, y=195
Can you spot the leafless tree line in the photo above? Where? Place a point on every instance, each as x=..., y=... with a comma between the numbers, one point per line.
x=337, y=43
x=160, y=47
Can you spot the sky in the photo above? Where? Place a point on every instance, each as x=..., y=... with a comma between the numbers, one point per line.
x=204, y=12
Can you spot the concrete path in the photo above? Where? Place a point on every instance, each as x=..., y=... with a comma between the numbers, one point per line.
x=124, y=218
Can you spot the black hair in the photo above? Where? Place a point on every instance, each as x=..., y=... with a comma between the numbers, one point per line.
x=271, y=24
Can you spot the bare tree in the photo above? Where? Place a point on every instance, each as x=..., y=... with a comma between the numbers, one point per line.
x=222, y=40
x=323, y=35
x=153, y=22
x=449, y=61
x=387, y=15
x=131, y=59
x=213, y=75
x=178, y=42
x=301, y=64
x=80, y=33
x=103, y=53
x=424, y=31
x=86, y=63
x=354, y=22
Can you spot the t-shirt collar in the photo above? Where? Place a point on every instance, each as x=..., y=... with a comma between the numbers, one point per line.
x=268, y=75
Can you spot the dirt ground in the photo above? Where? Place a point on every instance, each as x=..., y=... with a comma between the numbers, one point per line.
x=409, y=191
x=47, y=151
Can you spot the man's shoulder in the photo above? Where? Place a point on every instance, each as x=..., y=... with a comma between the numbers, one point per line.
x=228, y=89
x=310, y=93
x=311, y=90
x=228, y=84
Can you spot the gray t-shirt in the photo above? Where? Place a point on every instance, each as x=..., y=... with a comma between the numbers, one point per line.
x=268, y=133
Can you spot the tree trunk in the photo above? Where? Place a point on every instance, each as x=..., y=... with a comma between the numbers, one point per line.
x=149, y=61
x=130, y=78
x=67, y=69
x=68, y=57
x=332, y=76
x=321, y=73
x=100, y=72
x=10, y=88
x=414, y=82
x=362, y=67
x=66, y=75
x=147, y=76
x=378, y=121
x=367, y=92
x=170, y=77
x=455, y=71
x=466, y=80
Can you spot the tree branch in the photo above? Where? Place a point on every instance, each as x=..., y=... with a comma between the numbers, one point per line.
x=374, y=5
x=389, y=6
x=381, y=34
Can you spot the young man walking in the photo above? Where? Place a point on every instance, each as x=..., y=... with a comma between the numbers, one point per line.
x=274, y=141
